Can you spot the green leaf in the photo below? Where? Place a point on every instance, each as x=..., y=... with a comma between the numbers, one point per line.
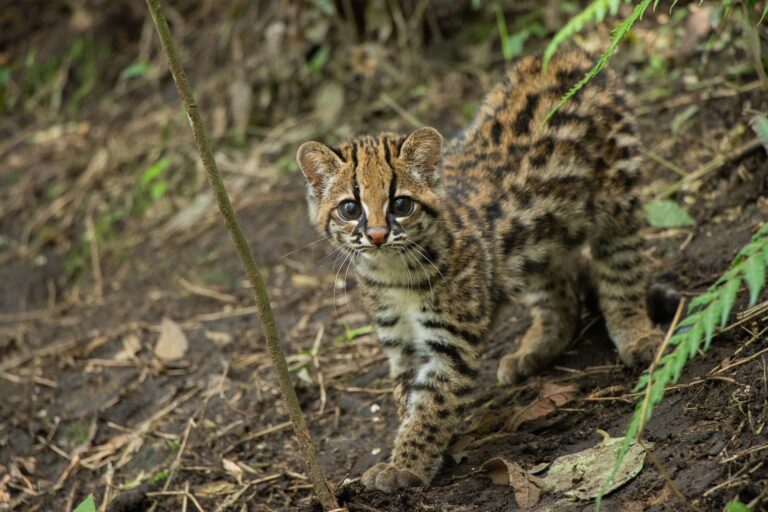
x=762, y=17
x=711, y=316
x=760, y=124
x=727, y=298
x=754, y=275
x=702, y=300
x=5, y=75
x=737, y=506
x=678, y=362
x=137, y=69
x=157, y=190
x=88, y=505
x=154, y=171
x=667, y=214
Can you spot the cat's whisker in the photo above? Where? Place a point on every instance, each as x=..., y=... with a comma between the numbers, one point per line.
x=349, y=264
x=426, y=274
x=347, y=254
x=405, y=265
x=423, y=254
x=305, y=246
x=336, y=251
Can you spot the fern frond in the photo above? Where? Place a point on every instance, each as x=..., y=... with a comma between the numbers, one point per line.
x=594, y=13
x=619, y=33
x=707, y=313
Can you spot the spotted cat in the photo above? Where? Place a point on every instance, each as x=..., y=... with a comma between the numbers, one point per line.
x=443, y=234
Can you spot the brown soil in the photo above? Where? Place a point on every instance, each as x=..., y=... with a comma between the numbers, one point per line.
x=77, y=418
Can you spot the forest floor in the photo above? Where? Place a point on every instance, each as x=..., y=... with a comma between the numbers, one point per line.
x=108, y=234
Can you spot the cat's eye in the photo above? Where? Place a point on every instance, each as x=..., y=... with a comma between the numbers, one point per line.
x=350, y=210
x=402, y=206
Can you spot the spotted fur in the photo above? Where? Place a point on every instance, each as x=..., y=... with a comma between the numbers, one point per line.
x=498, y=213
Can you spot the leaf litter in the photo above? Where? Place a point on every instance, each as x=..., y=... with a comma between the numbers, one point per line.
x=576, y=476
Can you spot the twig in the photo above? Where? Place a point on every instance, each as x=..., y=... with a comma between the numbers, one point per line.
x=308, y=450
x=667, y=479
x=98, y=281
x=316, y=364
x=407, y=116
x=748, y=451
x=712, y=166
x=177, y=460
x=654, y=364
x=207, y=292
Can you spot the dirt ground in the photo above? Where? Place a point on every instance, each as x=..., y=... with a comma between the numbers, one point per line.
x=91, y=263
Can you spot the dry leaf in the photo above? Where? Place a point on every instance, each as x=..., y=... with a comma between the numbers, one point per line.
x=305, y=281
x=550, y=398
x=581, y=475
x=538, y=468
x=172, y=343
x=131, y=347
x=504, y=472
x=215, y=488
x=233, y=469
x=219, y=338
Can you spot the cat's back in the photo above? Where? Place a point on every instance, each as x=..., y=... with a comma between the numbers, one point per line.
x=511, y=144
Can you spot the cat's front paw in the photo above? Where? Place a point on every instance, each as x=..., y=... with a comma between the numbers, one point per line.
x=389, y=478
x=517, y=366
x=642, y=349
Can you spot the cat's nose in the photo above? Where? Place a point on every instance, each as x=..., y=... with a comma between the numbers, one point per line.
x=377, y=235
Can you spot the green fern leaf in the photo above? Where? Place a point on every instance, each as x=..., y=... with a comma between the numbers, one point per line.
x=642, y=382
x=711, y=316
x=702, y=300
x=692, y=318
x=618, y=35
x=697, y=335
x=728, y=297
x=754, y=275
x=574, y=25
x=730, y=274
x=678, y=361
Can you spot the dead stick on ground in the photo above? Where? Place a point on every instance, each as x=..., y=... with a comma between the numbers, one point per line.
x=654, y=364
x=308, y=451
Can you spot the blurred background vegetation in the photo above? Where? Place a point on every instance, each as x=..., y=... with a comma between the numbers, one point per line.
x=82, y=83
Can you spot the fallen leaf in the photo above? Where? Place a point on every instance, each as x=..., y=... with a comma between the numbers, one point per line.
x=233, y=469
x=504, y=472
x=538, y=468
x=131, y=347
x=305, y=281
x=219, y=338
x=172, y=343
x=550, y=398
x=582, y=474
x=215, y=488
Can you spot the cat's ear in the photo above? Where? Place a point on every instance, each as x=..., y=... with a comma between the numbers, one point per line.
x=319, y=163
x=420, y=153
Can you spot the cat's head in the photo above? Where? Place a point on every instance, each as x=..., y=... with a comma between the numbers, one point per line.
x=372, y=193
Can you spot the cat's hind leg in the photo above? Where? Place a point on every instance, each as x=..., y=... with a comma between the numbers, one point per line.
x=620, y=273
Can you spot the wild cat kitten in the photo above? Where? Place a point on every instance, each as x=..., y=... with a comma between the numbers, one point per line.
x=442, y=236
